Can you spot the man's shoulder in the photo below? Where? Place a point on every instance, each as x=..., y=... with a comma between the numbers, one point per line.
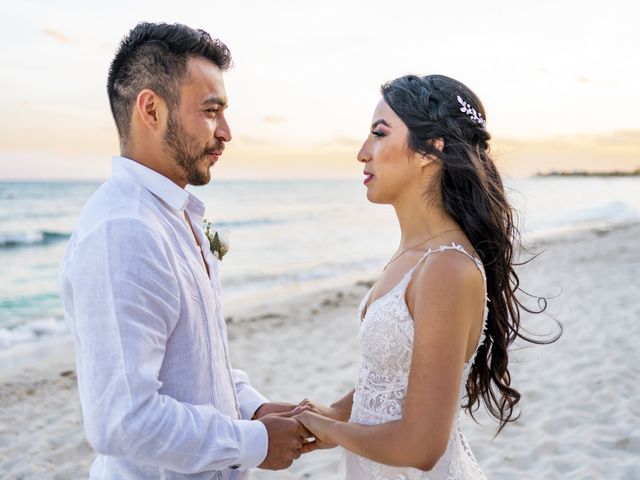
x=118, y=201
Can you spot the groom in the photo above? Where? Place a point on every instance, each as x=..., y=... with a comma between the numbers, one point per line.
x=140, y=286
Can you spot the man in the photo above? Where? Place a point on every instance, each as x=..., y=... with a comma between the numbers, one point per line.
x=140, y=288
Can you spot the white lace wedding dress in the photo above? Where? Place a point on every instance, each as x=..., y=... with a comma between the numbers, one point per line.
x=386, y=340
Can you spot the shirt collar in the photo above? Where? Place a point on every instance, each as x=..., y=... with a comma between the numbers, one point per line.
x=176, y=197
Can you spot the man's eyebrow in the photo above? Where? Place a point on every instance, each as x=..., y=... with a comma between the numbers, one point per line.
x=379, y=122
x=215, y=101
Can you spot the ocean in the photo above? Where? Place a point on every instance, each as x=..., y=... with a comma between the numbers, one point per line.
x=285, y=235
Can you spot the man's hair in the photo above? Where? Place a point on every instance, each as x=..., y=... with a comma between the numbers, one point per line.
x=154, y=56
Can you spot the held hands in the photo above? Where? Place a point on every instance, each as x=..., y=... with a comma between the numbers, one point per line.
x=318, y=426
x=316, y=420
x=287, y=436
x=294, y=430
x=334, y=411
x=272, y=407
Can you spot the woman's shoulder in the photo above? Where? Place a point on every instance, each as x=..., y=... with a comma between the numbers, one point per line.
x=448, y=276
x=452, y=264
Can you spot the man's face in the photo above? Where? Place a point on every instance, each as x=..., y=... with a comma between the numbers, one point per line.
x=197, y=129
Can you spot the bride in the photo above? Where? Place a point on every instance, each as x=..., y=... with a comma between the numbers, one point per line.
x=436, y=326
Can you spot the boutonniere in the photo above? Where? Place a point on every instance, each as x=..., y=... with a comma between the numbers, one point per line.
x=218, y=240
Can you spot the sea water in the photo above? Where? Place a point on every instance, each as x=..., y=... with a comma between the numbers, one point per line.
x=284, y=234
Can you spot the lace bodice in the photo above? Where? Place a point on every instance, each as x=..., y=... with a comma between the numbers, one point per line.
x=386, y=340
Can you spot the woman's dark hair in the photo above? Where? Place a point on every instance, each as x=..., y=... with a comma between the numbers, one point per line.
x=439, y=107
x=154, y=56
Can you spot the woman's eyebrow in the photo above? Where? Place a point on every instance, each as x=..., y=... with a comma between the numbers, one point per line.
x=380, y=122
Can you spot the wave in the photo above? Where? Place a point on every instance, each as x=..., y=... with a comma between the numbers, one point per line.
x=611, y=213
x=32, y=331
x=254, y=222
x=245, y=282
x=28, y=239
x=45, y=237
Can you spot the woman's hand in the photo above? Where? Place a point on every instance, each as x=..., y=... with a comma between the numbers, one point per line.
x=341, y=414
x=272, y=407
x=317, y=425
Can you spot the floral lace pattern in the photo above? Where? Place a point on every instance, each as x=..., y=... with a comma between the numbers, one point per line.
x=386, y=339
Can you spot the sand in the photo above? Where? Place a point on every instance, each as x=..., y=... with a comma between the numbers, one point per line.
x=581, y=396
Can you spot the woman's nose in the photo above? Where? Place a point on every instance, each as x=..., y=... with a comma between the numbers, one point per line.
x=363, y=154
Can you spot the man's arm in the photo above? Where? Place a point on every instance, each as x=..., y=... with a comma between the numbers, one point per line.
x=124, y=305
x=249, y=398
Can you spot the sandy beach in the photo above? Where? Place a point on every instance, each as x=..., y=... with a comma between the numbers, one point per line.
x=581, y=396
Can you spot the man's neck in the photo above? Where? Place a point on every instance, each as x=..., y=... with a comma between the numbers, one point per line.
x=159, y=163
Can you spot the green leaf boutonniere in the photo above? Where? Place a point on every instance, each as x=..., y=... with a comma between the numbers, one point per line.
x=218, y=240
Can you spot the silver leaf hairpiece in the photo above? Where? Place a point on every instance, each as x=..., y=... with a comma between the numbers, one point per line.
x=469, y=110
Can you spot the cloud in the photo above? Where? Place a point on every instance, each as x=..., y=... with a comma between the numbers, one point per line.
x=274, y=119
x=347, y=141
x=254, y=140
x=620, y=137
x=60, y=37
x=618, y=150
x=341, y=142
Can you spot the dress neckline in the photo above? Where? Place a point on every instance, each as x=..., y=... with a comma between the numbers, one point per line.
x=404, y=283
x=454, y=246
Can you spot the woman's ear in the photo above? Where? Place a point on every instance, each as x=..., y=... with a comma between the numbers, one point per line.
x=426, y=159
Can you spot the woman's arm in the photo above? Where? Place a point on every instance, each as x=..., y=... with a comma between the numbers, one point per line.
x=342, y=407
x=447, y=312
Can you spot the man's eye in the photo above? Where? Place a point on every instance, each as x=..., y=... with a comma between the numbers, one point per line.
x=212, y=110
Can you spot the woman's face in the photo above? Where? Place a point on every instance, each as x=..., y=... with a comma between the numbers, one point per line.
x=391, y=169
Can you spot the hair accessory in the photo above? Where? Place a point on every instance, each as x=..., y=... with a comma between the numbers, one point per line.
x=469, y=110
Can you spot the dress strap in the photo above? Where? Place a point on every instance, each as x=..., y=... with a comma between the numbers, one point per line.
x=443, y=248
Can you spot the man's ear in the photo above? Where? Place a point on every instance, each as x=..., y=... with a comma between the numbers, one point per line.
x=149, y=107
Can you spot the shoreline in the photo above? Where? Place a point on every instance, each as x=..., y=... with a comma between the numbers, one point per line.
x=58, y=349
x=579, y=395
x=237, y=307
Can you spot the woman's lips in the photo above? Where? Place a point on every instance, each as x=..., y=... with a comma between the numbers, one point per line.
x=368, y=177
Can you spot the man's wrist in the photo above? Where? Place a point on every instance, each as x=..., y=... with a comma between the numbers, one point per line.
x=256, y=415
x=254, y=443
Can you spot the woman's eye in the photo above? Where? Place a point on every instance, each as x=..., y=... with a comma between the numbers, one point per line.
x=377, y=133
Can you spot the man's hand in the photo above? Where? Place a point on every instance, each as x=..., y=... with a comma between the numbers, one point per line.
x=272, y=407
x=286, y=439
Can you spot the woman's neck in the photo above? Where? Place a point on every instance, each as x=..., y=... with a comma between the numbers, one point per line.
x=420, y=220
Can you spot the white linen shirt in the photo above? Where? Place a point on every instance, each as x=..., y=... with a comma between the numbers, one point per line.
x=159, y=397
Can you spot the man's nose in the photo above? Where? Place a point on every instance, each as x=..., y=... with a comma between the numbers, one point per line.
x=223, y=131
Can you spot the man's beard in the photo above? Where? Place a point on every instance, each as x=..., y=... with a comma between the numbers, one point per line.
x=188, y=153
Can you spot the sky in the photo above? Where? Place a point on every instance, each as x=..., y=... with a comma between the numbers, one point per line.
x=559, y=79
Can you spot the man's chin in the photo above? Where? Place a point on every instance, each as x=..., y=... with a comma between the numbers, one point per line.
x=200, y=179
x=199, y=182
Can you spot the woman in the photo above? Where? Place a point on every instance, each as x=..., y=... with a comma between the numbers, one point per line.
x=436, y=325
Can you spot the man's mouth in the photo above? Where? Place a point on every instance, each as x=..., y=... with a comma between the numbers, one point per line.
x=214, y=155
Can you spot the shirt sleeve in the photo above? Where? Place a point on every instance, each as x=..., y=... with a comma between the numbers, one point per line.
x=249, y=398
x=123, y=301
